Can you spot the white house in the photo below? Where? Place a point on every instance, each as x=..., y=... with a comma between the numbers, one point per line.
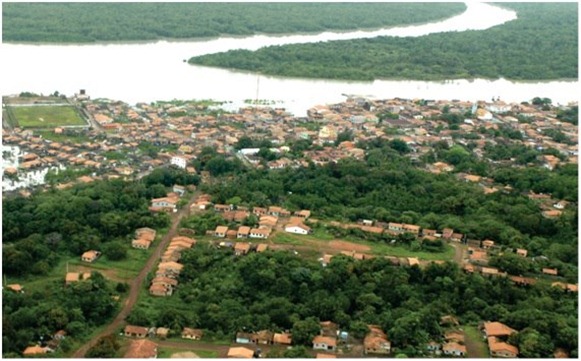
x=298, y=228
x=178, y=161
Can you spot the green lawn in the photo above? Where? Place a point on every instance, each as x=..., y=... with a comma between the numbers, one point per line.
x=46, y=116
x=475, y=345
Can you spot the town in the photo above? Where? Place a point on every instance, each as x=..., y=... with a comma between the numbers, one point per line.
x=120, y=141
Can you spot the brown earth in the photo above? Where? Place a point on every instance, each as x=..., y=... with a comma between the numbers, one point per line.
x=348, y=246
x=107, y=273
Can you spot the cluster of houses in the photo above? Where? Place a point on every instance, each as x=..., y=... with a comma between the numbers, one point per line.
x=141, y=345
x=393, y=229
x=329, y=338
x=144, y=237
x=268, y=218
x=168, y=270
x=496, y=334
x=121, y=128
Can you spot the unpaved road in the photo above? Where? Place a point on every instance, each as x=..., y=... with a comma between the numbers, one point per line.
x=137, y=283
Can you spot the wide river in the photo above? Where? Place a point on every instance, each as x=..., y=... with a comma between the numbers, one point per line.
x=149, y=71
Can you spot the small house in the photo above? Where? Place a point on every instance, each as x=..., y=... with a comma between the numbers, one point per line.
x=192, y=334
x=135, y=331
x=220, y=231
x=376, y=341
x=282, y=338
x=324, y=343
x=243, y=232
x=90, y=256
x=241, y=248
x=454, y=349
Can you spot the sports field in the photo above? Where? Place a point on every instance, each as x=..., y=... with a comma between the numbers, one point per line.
x=45, y=116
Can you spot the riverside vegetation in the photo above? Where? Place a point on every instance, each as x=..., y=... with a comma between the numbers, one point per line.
x=91, y=22
x=541, y=44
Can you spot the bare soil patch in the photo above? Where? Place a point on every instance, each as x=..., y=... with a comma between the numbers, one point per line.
x=348, y=246
x=107, y=273
x=185, y=354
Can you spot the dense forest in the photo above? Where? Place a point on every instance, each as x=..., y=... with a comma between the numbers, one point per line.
x=38, y=231
x=224, y=294
x=90, y=22
x=541, y=44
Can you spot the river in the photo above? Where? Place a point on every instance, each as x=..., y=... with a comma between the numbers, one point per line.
x=149, y=71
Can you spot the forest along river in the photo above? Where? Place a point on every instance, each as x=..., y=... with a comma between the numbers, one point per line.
x=150, y=71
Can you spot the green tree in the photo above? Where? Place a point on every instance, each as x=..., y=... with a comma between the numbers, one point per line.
x=303, y=331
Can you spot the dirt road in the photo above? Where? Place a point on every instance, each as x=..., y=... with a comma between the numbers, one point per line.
x=137, y=283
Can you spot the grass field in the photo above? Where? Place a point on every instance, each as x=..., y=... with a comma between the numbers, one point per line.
x=46, y=116
x=475, y=346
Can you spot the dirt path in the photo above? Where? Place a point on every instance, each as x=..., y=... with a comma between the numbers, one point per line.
x=137, y=283
x=459, y=255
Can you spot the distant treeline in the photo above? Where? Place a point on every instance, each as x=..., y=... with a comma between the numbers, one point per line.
x=541, y=44
x=90, y=22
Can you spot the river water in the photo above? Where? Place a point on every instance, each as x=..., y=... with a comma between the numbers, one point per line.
x=145, y=72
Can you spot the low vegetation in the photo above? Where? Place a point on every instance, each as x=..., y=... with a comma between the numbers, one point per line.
x=45, y=116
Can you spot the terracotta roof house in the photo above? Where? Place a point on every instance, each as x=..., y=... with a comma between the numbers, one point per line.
x=497, y=329
x=90, y=256
x=162, y=332
x=173, y=267
x=376, y=341
x=261, y=233
x=282, y=338
x=145, y=233
x=184, y=239
x=324, y=343
x=192, y=334
x=454, y=349
x=240, y=352
x=141, y=243
x=165, y=281
x=34, y=350
x=135, y=331
x=521, y=252
x=303, y=213
x=221, y=231
x=550, y=271
x=241, y=248
x=243, y=232
x=487, y=244
x=501, y=349
x=141, y=349
x=456, y=336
